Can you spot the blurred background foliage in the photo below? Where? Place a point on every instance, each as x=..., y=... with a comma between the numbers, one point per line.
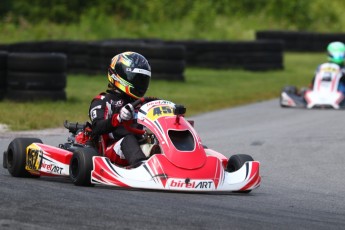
x=22, y=20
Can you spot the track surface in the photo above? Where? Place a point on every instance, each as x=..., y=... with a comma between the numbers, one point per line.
x=302, y=165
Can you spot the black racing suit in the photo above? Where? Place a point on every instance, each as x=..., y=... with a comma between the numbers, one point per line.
x=104, y=108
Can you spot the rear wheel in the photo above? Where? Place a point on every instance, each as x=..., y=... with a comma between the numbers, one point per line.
x=16, y=156
x=81, y=166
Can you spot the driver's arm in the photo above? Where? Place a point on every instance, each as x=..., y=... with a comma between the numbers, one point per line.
x=99, y=121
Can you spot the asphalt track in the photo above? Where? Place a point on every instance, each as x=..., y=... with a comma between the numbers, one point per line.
x=302, y=165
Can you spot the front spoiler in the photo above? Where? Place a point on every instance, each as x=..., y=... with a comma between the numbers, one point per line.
x=311, y=101
x=150, y=175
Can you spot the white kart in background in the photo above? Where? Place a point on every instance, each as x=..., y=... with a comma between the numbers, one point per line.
x=324, y=93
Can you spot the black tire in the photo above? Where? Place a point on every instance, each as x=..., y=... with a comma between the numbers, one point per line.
x=150, y=51
x=167, y=66
x=165, y=52
x=237, y=161
x=35, y=95
x=36, y=80
x=16, y=156
x=168, y=76
x=290, y=89
x=81, y=166
x=3, y=77
x=53, y=46
x=3, y=80
x=37, y=62
x=3, y=60
x=26, y=47
x=2, y=94
x=4, y=47
x=264, y=66
x=77, y=47
x=4, y=160
x=77, y=61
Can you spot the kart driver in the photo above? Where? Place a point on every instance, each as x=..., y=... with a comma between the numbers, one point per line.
x=336, y=55
x=129, y=76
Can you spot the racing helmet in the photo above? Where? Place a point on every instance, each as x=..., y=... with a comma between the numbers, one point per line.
x=336, y=52
x=130, y=72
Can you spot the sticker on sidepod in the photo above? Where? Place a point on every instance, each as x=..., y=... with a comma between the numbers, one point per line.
x=33, y=157
x=180, y=184
x=156, y=109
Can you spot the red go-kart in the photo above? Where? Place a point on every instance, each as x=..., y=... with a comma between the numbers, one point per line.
x=177, y=160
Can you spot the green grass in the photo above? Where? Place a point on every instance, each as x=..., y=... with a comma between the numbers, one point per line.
x=99, y=26
x=204, y=90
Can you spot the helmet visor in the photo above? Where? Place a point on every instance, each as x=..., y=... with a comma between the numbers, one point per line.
x=337, y=57
x=140, y=84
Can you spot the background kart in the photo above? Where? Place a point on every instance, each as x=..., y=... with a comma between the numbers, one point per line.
x=177, y=159
x=324, y=93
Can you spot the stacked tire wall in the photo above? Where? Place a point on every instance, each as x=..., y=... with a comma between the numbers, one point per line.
x=36, y=76
x=251, y=55
x=168, y=58
x=167, y=61
x=75, y=51
x=301, y=41
x=3, y=69
x=31, y=70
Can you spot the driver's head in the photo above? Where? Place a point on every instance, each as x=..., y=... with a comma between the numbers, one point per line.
x=130, y=72
x=336, y=52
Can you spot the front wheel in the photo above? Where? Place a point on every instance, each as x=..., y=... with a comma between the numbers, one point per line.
x=236, y=162
x=81, y=166
x=16, y=156
x=290, y=89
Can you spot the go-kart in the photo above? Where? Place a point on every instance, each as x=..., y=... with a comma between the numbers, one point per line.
x=176, y=158
x=323, y=94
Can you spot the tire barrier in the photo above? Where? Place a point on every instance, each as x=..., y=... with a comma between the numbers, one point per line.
x=3, y=68
x=78, y=57
x=94, y=57
x=301, y=41
x=35, y=95
x=254, y=56
x=167, y=61
x=77, y=52
x=36, y=76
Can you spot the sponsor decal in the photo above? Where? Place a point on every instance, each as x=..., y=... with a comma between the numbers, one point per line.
x=33, y=158
x=155, y=109
x=159, y=102
x=118, y=103
x=93, y=111
x=190, y=184
x=328, y=68
x=36, y=162
x=52, y=168
x=141, y=71
x=160, y=111
x=121, y=81
x=93, y=114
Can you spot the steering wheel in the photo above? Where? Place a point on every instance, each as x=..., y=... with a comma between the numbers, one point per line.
x=140, y=101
